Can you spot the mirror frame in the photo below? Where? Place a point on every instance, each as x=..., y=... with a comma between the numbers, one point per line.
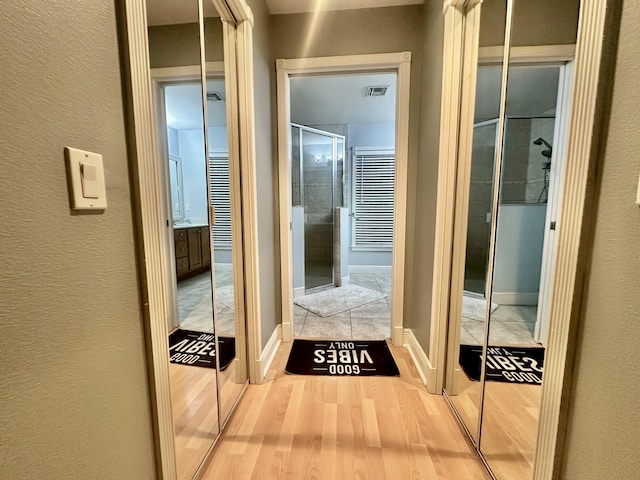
x=148, y=188
x=578, y=187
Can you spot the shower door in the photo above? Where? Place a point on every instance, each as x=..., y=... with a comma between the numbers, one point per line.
x=314, y=172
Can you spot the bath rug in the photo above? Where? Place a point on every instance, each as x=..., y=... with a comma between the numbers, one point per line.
x=188, y=347
x=504, y=364
x=476, y=308
x=341, y=358
x=337, y=300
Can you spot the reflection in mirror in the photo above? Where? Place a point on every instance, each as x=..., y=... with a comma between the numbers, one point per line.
x=473, y=223
x=538, y=95
x=227, y=253
x=174, y=43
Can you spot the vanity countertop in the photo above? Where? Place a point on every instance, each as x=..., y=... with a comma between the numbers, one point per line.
x=177, y=226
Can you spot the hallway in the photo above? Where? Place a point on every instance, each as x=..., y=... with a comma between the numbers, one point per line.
x=315, y=427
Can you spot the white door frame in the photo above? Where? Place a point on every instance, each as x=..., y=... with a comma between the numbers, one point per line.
x=556, y=181
x=397, y=62
x=573, y=233
x=160, y=77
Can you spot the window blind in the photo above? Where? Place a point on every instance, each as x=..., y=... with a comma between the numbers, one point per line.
x=221, y=200
x=373, y=198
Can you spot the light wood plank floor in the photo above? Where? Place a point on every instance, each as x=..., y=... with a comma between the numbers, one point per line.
x=315, y=427
x=195, y=415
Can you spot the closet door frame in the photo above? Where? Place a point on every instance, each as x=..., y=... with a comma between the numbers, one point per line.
x=578, y=186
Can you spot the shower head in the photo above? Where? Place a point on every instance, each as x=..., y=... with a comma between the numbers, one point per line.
x=540, y=141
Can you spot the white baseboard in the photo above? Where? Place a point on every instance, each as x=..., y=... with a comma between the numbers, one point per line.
x=515, y=298
x=369, y=269
x=426, y=371
x=269, y=351
x=298, y=292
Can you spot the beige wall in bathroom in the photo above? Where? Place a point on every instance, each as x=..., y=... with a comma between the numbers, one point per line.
x=73, y=383
x=604, y=412
x=354, y=32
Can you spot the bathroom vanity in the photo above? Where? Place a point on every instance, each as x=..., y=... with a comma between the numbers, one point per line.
x=192, y=247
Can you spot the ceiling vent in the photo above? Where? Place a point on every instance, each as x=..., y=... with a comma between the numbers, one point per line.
x=379, y=91
x=214, y=97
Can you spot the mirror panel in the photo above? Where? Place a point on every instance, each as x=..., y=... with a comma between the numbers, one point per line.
x=537, y=96
x=476, y=169
x=225, y=226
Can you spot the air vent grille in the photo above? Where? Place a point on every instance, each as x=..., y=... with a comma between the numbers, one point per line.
x=377, y=91
x=214, y=97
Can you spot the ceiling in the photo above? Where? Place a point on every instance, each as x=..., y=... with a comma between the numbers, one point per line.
x=169, y=12
x=322, y=100
x=531, y=91
x=184, y=106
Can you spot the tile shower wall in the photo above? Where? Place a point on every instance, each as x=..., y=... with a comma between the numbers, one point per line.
x=318, y=206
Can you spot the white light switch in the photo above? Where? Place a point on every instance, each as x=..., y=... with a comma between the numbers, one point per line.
x=86, y=180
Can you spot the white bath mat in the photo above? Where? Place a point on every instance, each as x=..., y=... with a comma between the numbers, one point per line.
x=476, y=308
x=338, y=300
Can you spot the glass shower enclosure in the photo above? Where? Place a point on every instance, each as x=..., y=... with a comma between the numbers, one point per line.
x=317, y=187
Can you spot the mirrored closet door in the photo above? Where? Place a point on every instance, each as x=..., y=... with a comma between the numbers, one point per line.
x=197, y=154
x=510, y=166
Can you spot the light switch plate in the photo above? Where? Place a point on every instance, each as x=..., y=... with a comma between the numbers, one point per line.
x=638, y=196
x=85, y=193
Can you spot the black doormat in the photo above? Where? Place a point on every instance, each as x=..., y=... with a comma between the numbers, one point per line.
x=187, y=347
x=504, y=364
x=341, y=358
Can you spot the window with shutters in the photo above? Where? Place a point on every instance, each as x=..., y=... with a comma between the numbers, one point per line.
x=221, y=201
x=373, y=198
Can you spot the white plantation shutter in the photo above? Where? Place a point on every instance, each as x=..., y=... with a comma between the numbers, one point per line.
x=373, y=197
x=220, y=200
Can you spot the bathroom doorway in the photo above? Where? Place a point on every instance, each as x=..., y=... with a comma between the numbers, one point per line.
x=353, y=243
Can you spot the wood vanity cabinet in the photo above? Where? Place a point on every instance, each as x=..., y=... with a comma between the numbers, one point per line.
x=192, y=247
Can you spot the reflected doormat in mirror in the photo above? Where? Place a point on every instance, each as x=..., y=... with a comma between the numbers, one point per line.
x=188, y=347
x=504, y=364
x=341, y=358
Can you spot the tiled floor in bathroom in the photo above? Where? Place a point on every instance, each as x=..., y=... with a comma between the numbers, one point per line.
x=194, y=302
x=510, y=325
x=371, y=321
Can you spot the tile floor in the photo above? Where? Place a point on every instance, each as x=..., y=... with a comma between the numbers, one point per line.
x=194, y=302
x=368, y=322
x=510, y=325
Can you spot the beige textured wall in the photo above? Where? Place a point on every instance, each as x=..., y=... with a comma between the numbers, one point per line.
x=179, y=45
x=266, y=168
x=355, y=32
x=539, y=22
x=604, y=415
x=418, y=315
x=73, y=384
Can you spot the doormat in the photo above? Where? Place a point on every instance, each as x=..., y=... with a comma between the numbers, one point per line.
x=337, y=300
x=341, y=358
x=504, y=364
x=188, y=347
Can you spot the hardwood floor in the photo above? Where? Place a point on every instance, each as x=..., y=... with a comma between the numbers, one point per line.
x=195, y=415
x=316, y=427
